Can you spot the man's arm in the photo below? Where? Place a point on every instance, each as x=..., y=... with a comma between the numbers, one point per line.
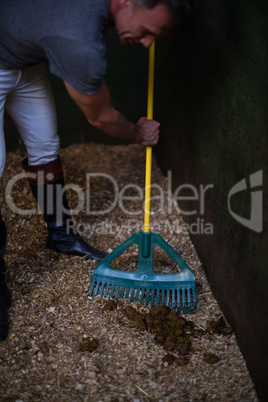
x=100, y=113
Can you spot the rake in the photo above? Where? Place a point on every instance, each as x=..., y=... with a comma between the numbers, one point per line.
x=177, y=290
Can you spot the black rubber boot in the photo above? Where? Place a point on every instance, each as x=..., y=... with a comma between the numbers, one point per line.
x=47, y=185
x=5, y=298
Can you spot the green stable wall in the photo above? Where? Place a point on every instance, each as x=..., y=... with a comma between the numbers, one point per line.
x=210, y=96
x=211, y=99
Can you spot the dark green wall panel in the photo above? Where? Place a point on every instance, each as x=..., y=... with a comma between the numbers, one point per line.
x=211, y=99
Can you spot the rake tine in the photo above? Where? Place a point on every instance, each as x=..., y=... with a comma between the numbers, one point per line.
x=163, y=297
x=173, y=299
x=96, y=284
x=130, y=289
x=142, y=295
x=157, y=296
x=153, y=297
x=132, y=295
x=136, y=294
x=112, y=290
x=122, y=292
x=127, y=292
x=168, y=297
x=98, y=289
x=178, y=301
x=189, y=299
x=147, y=296
x=107, y=290
x=116, y=292
x=183, y=301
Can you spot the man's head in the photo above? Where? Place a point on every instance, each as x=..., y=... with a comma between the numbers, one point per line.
x=140, y=21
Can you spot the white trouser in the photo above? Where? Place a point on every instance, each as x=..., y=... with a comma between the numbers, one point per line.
x=27, y=97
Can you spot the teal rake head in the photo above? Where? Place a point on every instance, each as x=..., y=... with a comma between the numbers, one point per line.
x=177, y=291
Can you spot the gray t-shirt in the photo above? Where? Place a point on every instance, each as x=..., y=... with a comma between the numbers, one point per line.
x=69, y=34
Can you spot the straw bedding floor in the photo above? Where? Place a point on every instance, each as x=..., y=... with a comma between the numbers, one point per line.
x=64, y=346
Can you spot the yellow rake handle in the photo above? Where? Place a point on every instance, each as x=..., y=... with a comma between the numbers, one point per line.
x=148, y=168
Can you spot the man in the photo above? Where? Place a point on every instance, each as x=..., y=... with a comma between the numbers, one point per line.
x=70, y=36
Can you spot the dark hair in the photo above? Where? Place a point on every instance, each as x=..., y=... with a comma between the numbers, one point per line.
x=178, y=8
